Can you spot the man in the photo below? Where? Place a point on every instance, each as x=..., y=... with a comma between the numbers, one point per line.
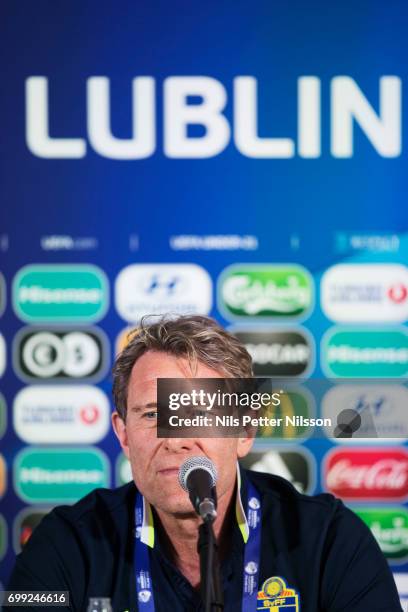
x=307, y=553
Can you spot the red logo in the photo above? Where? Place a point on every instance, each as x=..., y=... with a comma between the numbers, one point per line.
x=368, y=474
x=398, y=293
x=89, y=414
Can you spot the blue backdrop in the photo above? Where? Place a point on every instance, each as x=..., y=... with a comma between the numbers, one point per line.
x=315, y=211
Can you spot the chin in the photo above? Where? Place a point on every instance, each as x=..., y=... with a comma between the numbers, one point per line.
x=174, y=504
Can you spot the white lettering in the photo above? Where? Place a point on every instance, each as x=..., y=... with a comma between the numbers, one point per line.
x=37, y=125
x=349, y=106
x=143, y=143
x=349, y=103
x=246, y=125
x=178, y=114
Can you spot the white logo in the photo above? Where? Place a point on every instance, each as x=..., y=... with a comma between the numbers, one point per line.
x=2, y=355
x=254, y=503
x=43, y=354
x=365, y=293
x=251, y=568
x=157, y=289
x=82, y=354
x=49, y=354
x=144, y=596
x=296, y=466
x=61, y=414
x=382, y=408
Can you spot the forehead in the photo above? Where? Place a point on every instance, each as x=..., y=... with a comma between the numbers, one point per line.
x=156, y=364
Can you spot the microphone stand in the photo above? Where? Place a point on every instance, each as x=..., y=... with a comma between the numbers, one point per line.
x=211, y=586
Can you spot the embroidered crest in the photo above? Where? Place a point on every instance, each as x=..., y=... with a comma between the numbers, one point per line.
x=276, y=596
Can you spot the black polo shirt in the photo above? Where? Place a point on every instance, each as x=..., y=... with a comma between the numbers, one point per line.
x=318, y=547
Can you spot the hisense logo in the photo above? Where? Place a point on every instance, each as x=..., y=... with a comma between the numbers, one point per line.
x=349, y=106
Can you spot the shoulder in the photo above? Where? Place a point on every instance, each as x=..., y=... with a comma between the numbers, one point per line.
x=99, y=503
x=102, y=509
x=324, y=511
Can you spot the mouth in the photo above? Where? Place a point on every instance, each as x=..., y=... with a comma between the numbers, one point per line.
x=170, y=471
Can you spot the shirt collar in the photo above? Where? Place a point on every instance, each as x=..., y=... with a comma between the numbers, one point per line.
x=147, y=533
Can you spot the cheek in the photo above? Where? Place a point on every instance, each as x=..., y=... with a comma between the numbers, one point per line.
x=142, y=447
x=224, y=454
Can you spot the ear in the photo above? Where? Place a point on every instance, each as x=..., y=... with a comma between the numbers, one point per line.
x=244, y=446
x=119, y=427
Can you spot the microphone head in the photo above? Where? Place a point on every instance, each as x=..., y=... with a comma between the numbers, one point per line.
x=196, y=463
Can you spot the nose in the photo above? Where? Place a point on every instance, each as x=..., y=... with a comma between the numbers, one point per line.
x=178, y=445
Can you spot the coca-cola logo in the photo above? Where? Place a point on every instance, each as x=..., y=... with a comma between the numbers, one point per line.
x=367, y=474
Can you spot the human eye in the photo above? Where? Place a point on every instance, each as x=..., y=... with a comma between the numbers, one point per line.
x=150, y=415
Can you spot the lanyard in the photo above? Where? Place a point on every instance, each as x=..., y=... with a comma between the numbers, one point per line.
x=252, y=549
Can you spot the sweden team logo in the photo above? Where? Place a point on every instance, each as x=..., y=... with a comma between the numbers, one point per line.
x=275, y=595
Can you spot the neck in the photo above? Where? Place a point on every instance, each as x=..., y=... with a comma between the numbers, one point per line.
x=179, y=536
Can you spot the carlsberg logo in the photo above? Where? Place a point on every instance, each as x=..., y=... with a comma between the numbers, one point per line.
x=265, y=292
x=390, y=528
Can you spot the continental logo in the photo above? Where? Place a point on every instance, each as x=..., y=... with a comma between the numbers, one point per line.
x=44, y=414
x=74, y=293
x=60, y=354
x=52, y=475
x=278, y=352
x=389, y=526
x=262, y=292
x=365, y=352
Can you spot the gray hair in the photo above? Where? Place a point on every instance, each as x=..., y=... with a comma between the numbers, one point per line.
x=197, y=338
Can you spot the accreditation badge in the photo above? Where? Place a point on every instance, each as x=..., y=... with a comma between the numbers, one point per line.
x=275, y=596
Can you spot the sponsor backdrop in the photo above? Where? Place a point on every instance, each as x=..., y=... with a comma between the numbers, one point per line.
x=242, y=160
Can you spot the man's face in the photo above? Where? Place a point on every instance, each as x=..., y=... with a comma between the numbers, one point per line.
x=156, y=461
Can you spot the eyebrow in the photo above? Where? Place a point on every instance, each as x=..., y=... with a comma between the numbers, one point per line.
x=138, y=408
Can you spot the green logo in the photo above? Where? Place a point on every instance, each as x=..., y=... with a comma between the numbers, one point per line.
x=366, y=353
x=59, y=475
x=3, y=537
x=263, y=291
x=390, y=528
x=294, y=411
x=60, y=293
x=3, y=416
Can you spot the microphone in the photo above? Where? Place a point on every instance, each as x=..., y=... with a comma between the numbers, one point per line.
x=197, y=476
